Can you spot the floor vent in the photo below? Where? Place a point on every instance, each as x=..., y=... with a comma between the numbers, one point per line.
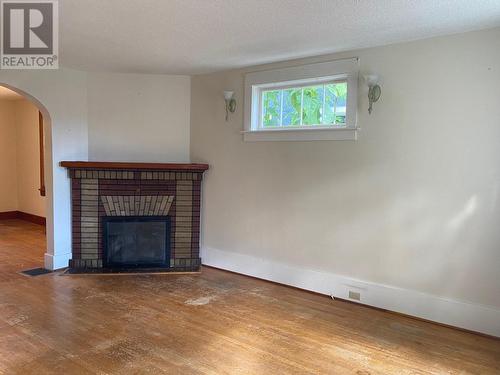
x=36, y=272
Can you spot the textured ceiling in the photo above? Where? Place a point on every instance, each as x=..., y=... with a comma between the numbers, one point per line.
x=197, y=36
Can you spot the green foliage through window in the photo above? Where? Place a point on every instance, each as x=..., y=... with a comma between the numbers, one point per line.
x=317, y=105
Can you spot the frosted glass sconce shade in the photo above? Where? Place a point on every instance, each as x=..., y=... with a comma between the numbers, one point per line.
x=230, y=102
x=374, y=90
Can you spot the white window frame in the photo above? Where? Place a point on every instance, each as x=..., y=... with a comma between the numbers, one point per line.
x=312, y=74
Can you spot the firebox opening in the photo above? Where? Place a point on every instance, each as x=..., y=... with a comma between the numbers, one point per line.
x=136, y=241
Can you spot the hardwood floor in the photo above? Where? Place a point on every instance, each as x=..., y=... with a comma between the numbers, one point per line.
x=213, y=323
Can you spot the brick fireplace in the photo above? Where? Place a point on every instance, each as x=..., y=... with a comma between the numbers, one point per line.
x=108, y=192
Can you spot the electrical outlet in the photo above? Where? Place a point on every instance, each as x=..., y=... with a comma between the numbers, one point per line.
x=355, y=295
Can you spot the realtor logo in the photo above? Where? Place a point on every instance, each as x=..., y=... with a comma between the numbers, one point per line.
x=29, y=35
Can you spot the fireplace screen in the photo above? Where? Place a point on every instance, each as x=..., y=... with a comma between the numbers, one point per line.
x=137, y=241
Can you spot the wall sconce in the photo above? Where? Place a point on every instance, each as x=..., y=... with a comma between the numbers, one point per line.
x=374, y=90
x=230, y=102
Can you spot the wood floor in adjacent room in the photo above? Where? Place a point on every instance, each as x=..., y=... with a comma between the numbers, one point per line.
x=213, y=323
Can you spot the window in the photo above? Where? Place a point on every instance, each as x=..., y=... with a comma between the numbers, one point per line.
x=310, y=102
x=319, y=105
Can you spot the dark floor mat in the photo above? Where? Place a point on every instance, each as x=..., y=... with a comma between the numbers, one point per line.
x=36, y=272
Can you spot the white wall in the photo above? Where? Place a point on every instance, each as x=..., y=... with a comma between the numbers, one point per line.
x=28, y=159
x=412, y=206
x=138, y=117
x=8, y=162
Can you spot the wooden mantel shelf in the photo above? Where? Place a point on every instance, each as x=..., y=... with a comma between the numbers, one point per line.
x=193, y=167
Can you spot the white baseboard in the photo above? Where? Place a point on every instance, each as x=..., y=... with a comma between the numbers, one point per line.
x=58, y=261
x=474, y=317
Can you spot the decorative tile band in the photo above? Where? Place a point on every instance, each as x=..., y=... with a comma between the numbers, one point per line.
x=89, y=226
x=110, y=175
x=130, y=205
x=191, y=264
x=133, y=175
x=169, y=176
x=183, y=219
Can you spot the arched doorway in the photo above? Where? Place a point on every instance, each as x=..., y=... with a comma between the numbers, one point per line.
x=61, y=96
x=42, y=126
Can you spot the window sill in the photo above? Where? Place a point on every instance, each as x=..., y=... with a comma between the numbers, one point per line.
x=335, y=134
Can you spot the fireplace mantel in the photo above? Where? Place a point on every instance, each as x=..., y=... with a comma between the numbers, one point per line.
x=104, y=190
x=97, y=165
